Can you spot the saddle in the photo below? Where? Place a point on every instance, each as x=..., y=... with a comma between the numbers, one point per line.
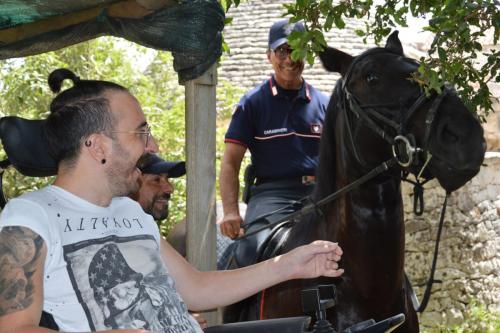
x=248, y=250
x=243, y=253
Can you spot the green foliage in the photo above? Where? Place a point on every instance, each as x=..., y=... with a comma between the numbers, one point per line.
x=226, y=4
x=453, y=55
x=477, y=319
x=25, y=92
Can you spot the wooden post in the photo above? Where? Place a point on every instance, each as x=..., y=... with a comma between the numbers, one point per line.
x=200, y=163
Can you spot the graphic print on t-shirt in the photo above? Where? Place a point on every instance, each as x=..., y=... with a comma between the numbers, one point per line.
x=122, y=283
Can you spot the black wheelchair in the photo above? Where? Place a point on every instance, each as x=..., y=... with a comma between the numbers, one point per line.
x=23, y=144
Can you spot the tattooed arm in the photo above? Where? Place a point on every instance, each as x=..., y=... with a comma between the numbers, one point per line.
x=22, y=256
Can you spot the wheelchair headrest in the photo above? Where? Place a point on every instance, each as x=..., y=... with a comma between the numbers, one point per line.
x=25, y=147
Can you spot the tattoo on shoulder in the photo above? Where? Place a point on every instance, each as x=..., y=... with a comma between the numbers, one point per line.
x=19, y=250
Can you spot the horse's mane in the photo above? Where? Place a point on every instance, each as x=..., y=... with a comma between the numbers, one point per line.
x=325, y=172
x=303, y=232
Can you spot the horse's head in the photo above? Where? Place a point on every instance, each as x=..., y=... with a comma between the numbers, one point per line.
x=383, y=102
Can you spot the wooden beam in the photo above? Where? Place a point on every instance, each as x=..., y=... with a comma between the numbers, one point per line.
x=200, y=163
x=124, y=9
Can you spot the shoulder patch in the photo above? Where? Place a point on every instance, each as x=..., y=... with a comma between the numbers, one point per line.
x=316, y=128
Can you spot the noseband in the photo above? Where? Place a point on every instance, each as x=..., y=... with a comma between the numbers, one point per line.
x=403, y=143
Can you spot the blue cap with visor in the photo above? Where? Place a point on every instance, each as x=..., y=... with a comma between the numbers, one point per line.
x=279, y=32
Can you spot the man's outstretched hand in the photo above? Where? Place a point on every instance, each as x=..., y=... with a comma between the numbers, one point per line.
x=319, y=258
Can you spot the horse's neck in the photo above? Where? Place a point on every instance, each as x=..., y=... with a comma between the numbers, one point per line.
x=368, y=221
x=370, y=226
x=376, y=204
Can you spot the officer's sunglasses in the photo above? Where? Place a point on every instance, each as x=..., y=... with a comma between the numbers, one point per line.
x=282, y=52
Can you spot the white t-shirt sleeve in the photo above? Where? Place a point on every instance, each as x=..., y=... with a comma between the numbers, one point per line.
x=26, y=213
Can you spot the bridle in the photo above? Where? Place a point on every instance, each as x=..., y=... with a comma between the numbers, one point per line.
x=404, y=147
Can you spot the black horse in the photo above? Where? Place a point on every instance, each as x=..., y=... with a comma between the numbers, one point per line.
x=375, y=108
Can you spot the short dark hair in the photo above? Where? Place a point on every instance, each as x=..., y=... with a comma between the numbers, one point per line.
x=76, y=113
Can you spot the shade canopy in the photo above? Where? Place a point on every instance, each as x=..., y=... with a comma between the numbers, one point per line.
x=190, y=29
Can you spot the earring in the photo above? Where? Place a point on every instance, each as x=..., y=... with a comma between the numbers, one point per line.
x=103, y=161
x=88, y=143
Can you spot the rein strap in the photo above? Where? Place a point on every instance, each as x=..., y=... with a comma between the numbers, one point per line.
x=315, y=206
x=420, y=307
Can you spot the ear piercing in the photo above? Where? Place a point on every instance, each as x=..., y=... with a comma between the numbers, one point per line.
x=88, y=143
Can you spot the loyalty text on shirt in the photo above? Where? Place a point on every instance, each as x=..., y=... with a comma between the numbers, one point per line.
x=101, y=223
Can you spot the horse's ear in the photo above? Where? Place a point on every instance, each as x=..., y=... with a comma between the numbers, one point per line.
x=394, y=44
x=335, y=60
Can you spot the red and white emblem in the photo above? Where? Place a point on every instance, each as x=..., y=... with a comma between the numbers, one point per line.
x=316, y=128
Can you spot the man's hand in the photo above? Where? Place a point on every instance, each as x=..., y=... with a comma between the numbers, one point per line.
x=231, y=226
x=319, y=258
x=230, y=188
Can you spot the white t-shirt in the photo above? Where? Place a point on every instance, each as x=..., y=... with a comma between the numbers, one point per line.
x=103, y=268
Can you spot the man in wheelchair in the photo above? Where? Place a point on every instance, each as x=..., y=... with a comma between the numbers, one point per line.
x=87, y=256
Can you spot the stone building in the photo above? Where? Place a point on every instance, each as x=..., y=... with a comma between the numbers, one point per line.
x=469, y=259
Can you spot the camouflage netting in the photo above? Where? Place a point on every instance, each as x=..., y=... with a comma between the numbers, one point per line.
x=190, y=29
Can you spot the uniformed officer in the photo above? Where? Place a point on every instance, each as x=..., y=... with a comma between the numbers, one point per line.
x=280, y=122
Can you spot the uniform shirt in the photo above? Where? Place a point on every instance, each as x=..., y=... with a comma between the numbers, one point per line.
x=282, y=132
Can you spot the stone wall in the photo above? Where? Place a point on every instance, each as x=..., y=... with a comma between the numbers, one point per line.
x=469, y=256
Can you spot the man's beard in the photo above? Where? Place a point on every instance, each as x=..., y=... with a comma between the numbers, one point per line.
x=159, y=214
x=120, y=183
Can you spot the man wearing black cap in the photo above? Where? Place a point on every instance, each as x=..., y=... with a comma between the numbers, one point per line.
x=155, y=187
x=154, y=194
x=280, y=122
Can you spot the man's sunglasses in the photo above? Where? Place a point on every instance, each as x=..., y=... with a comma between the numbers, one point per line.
x=282, y=52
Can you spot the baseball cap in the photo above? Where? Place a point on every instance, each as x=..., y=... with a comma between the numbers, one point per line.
x=156, y=165
x=279, y=32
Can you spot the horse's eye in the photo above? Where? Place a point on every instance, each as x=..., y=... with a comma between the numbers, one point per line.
x=371, y=78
